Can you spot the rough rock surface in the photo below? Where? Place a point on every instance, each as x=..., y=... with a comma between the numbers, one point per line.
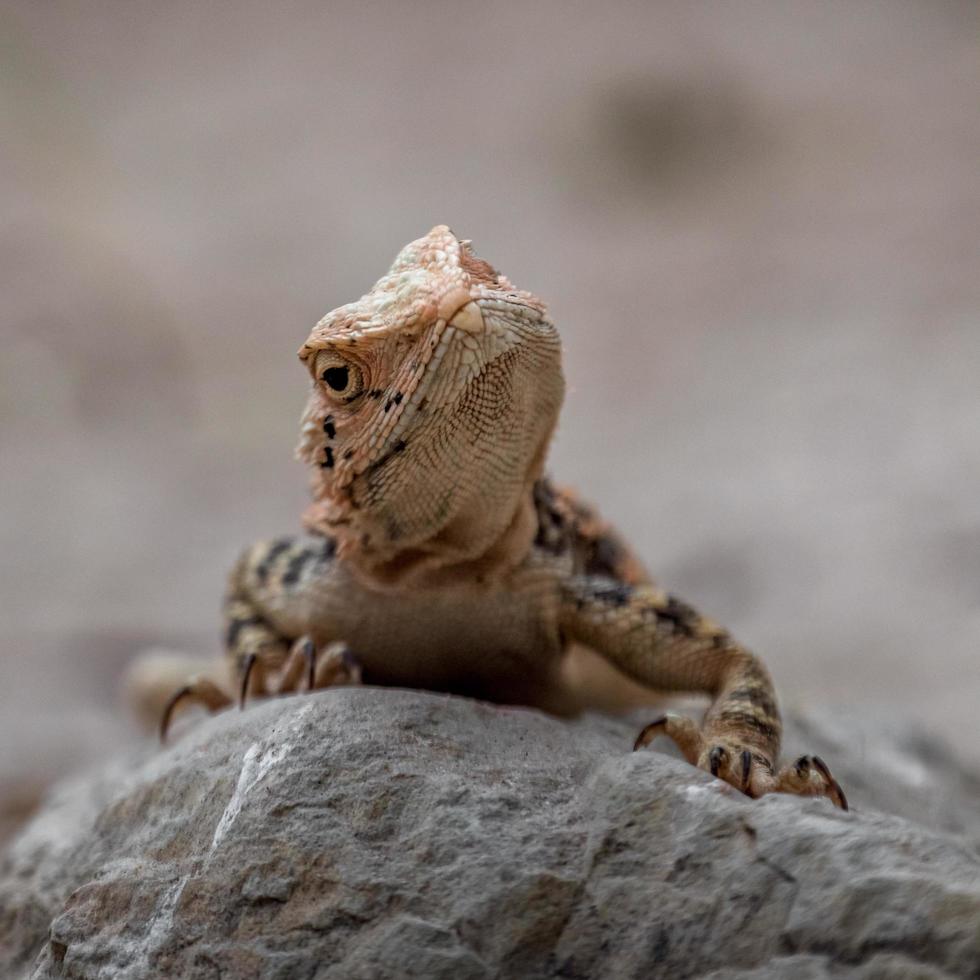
x=364, y=833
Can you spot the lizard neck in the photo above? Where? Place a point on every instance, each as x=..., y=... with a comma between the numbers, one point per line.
x=480, y=535
x=460, y=553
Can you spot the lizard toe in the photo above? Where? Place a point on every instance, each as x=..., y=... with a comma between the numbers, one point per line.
x=683, y=732
x=336, y=666
x=742, y=768
x=810, y=776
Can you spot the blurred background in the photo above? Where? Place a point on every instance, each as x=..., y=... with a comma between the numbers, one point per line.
x=756, y=225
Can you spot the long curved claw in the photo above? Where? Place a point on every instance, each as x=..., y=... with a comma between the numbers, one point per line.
x=200, y=689
x=649, y=732
x=746, y=770
x=717, y=757
x=248, y=665
x=175, y=699
x=835, y=792
x=683, y=732
x=309, y=655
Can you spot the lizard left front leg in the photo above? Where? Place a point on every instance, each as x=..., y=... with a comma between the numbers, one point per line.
x=663, y=642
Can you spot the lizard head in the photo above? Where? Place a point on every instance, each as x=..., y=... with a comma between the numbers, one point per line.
x=433, y=400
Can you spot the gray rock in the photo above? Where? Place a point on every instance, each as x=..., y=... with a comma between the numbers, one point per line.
x=365, y=833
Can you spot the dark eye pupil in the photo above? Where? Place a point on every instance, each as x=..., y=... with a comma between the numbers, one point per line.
x=337, y=378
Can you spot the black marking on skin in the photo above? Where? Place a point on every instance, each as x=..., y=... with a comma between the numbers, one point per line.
x=422, y=404
x=388, y=405
x=328, y=548
x=275, y=550
x=236, y=626
x=328, y=460
x=375, y=393
x=553, y=534
x=398, y=398
x=742, y=719
x=615, y=594
x=680, y=615
x=348, y=453
x=544, y=494
x=329, y=428
x=756, y=696
x=605, y=556
x=296, y=565
x=396, y=448
x=393, y=530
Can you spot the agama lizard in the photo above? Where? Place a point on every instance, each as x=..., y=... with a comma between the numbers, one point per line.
x=439, y=556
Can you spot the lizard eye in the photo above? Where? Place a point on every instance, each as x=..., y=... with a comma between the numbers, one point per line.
x=337, y=378
x=343, y=379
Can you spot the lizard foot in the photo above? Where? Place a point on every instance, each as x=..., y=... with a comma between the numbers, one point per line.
x=746, y=769
x=333, y=666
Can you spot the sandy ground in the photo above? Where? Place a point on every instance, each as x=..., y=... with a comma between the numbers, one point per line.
x=756, y=226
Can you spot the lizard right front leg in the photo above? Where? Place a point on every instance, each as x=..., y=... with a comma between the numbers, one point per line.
x=261, y=657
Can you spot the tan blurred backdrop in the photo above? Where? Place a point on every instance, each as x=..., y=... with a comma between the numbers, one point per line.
x=756, y=225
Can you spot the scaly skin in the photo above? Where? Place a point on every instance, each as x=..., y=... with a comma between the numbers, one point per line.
x=439, y=555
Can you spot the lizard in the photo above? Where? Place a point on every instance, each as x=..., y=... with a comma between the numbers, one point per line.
x=437, y=554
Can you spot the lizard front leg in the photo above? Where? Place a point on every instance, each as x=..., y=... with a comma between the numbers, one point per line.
x=261, y=655
x=663, y=642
